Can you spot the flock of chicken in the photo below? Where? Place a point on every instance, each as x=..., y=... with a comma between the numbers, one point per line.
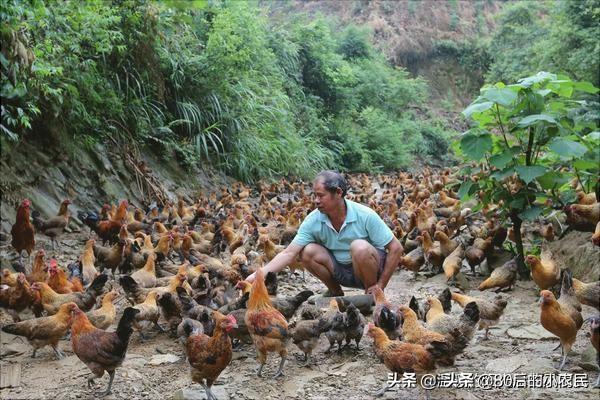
x=184, y=266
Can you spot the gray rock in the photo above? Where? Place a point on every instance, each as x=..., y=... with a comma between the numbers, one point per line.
x=191, y=393
x=14, y=349
x=159, y=359
x=588, y=359
x=134, y=361
x=507, y=365
x=538, y=365
x=536, y=332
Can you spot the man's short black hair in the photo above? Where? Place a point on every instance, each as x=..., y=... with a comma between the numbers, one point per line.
x=332, y=180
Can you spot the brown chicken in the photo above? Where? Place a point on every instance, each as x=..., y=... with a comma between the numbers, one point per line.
x=453, y=263
x=9, y=278
x=545, y=272
x=109, y=257
x=39, y=271
x=547, y=232
x=502, y=277
x=44, y=331
x=332, y=324
x=146, y=277
x=596, y=235
x=477, y=253
x=559, y=322
x=53, y=227
x=23, y=232
x=58, y=281
x=489, y=311
x=148, y=311
x=51, y=301
x=568, y=299
x=88, y=269
x=586, y=198
x=103, y=317
x=209, y=355
x=15, y=299
x=432, y=250
x=136, y=294
x=305, y=335
x=583, y=217
x=447, y=245
x=439, y=321
x=413, y=261
x=99, y=350
x=267, y=327
x=595, y=339
x=400, y=357
x=587, y=293
x=414, y=332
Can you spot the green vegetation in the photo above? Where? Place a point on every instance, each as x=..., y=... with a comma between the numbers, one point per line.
x=559, y=36
x=529, y=140
x=213, y=83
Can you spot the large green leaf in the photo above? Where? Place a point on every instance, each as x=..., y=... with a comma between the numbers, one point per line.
x=595, y=136
x=552, y=179
x=476, y=145
x=539, y=77
x=585, y=164
x=531, y=213
x=465, y=189
x=476, y=108
x=505, y=97
x=585, y=87
x=529, y=173
x=501, y=160
x=532, y=119
x=564, y=88
x=567, y=148
x=503, y=174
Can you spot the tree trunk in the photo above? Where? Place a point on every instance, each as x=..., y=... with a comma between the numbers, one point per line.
x=521, y=267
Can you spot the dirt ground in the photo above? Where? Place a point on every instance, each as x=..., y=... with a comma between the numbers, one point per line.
x=517, y=345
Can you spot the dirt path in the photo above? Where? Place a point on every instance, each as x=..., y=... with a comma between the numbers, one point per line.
x=349, y=375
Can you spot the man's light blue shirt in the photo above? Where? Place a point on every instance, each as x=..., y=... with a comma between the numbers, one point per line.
x=361, y=223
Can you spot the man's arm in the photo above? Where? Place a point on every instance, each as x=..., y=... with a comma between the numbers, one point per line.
x=392, y=260
x=286, y=257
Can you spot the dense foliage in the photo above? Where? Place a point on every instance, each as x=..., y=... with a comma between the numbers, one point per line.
x=529, y=141
x=212, y=83
x=559, y=36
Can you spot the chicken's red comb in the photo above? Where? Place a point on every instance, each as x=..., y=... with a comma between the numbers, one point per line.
x=26, y=203
x=53, y=262
x=231, y=319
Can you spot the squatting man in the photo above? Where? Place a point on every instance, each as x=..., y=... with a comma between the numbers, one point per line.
x=341, y=242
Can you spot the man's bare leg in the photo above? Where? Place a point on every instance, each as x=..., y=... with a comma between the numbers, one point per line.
x=317, y=261
x=365, y=261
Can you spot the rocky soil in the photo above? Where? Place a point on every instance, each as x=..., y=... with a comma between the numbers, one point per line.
x=156, y=370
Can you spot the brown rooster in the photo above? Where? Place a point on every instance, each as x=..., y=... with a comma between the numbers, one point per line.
x=99, y=350
x=23, y=232
x=267, y=327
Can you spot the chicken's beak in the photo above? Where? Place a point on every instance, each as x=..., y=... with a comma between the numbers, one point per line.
x=541, y=300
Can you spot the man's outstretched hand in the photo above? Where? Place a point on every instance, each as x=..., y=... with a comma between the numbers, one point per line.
x=250, y=278
x=370, y=289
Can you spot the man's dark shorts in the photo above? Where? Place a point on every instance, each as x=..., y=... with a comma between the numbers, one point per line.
x=344, y=273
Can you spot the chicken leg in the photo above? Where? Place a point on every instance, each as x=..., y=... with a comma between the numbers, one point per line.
x=564, y=354
x=59, y=354
x=209, y=393
x=280, y=370
x=111, y=374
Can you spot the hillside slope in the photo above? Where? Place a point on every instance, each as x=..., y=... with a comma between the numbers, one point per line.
x=427, y=37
